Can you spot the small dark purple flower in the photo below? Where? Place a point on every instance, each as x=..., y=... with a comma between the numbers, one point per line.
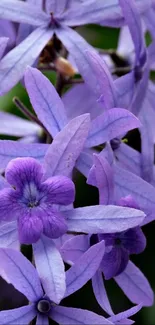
x=119, y=246
x=32, y=200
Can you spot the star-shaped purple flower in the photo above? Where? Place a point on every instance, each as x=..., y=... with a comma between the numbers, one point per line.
x=16, y=269
x=32, y=200
x=32, y=187
x=119, y=246
x=44, y=304
x=54, y=18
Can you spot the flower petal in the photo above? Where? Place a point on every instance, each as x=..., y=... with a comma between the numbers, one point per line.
x=17, y=126
x=111, y=124
x=9, y=209
x=50, y=268
x=129, y=158
x=114, y=262
x=100, y=292
x=22, y=171
x=7, y=30
x=3, y=183
x=75, y=316
x=102, y=219
x=13, y=64
x=91, y=12
x=83, y=270
x=104, y=179
x=9, y=235
x=85, y=103
x=133, y=20
x=100, y=80
x=124, y=87
x=30, y=226
x=23, y=12
x=85, y=162
x=13, y=149
x=134, y=240
x=59, y=190
x=125, y=314
x=73, y=248
x=135, y=286
x=56, y=7
x=128, y=201
x=107, y=13
x=21, y=273
x=54, y=223
x=45, y=101
x=147, y=144
x=42, y=320
x=140, y=92
x=128, y=183
x=18, y=315
x=66, y=147
x=3, y=45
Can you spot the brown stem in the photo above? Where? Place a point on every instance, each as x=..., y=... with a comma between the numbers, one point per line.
x=107, y=51
x=28, y=114
x=74, y=81
x=121, y=70
x=26, y=111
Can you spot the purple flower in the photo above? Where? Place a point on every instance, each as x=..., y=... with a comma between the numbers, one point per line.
x=15, y=268
x=60, y=159
x=52, y=114
x=32, y=200
x=119, y=246
x=63, y=15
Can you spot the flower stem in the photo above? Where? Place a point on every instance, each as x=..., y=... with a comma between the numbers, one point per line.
x=26, y=111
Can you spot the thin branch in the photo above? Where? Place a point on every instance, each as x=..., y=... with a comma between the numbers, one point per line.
x=106, y=51
x=74, y=81
x=26, y=111
x=30, y=116
x=121, y=70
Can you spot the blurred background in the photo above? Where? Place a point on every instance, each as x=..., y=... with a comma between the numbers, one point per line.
x=103, y=38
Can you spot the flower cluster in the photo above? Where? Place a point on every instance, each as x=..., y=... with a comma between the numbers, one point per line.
x=78, y=126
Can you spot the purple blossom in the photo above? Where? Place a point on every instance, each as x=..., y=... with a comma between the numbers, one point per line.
x=36, y=189
x=22, y=274
x=31, y=200
x=35, y=193
x=132, y=90
x=53, y=115
x=119, y=246
x=62, y=16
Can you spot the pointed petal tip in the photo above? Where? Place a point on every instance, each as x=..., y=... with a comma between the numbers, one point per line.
x=85, y=116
